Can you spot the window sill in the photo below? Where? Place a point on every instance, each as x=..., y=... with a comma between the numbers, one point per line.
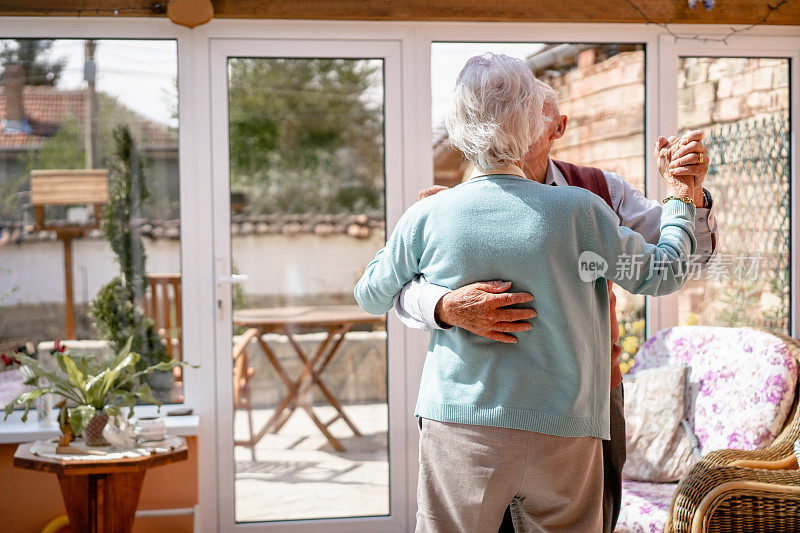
x=16, y=431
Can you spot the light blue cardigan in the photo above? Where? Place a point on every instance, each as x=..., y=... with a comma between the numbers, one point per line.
x=555, y=379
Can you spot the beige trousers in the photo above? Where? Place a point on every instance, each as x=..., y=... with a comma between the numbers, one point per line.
x=468, y=475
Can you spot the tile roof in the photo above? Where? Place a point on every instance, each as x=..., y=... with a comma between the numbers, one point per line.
x=46, y=107
x=357, y=226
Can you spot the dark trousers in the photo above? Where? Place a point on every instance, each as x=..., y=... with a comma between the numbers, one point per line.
x=613, y=461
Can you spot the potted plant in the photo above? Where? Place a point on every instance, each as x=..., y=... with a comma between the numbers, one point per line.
x=92, y=390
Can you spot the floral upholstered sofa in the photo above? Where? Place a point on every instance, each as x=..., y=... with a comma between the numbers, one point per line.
x=741, y=395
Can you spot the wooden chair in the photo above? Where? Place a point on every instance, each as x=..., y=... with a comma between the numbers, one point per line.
x=162, y=303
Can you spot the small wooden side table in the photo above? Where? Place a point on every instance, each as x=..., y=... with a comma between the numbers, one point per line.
x=100, y=495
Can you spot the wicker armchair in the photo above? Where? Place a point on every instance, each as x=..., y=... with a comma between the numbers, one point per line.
x=736, y=490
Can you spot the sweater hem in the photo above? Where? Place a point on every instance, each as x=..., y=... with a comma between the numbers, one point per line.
x=523, y=419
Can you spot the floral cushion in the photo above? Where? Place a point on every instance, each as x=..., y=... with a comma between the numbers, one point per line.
x=741, y=382
x=645, y=506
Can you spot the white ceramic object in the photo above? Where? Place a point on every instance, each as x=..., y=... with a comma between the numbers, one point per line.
x=119, y=433
x=150, y=429
x=44, y=409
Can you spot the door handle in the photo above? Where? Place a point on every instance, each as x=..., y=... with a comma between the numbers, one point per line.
x=229, y=280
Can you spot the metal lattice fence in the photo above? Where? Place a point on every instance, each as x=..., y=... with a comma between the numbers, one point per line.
x=749, y=176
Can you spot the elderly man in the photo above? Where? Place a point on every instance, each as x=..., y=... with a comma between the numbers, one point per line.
x=481, y=307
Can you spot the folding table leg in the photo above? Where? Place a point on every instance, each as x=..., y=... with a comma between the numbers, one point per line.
x=323, y=428
x=312, y=376
x=249, y=401
x=289, y=401
x=316, y=375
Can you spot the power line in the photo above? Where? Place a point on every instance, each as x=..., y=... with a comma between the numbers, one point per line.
x=699, y=37
x=705, y=38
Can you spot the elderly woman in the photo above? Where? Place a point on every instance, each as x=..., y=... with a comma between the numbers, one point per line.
x=520, y=421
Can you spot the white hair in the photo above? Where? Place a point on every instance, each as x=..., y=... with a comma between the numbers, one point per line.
x=495, y=111
x=550, y=107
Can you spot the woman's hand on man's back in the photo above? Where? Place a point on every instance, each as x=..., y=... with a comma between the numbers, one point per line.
x=430, y=191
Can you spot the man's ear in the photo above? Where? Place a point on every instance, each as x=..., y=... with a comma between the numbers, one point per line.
x=561, y=127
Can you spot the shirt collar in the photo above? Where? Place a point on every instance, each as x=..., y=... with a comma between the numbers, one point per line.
x=554, y=176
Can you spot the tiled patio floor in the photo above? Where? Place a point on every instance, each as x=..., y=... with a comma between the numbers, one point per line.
x=297, y=474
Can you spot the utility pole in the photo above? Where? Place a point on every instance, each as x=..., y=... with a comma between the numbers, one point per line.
x=90, y=121
x=92, y=160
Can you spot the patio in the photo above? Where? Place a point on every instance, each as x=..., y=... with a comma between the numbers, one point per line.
x=297, y=475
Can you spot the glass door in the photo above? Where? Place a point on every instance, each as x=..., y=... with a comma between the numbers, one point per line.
x=304, y=134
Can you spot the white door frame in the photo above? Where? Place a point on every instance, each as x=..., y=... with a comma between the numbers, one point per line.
x=390, y=52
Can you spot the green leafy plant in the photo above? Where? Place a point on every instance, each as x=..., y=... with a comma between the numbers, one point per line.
x=738, y=302
x=115, y=309
x=91, y=385
x=305, y=135
x=777, y=318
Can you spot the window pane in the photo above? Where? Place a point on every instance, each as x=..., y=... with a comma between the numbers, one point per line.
x=742, y=107
x=76, y=263
x=600, y=87
x=307, y=216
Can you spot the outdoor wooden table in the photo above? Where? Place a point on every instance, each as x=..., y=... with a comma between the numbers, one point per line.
x=100, y=495
x=337, y=320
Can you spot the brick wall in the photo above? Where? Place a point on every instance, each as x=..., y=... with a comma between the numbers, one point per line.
x=728, y=89
x=605, y=105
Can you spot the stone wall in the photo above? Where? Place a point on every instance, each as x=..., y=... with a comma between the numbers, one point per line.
x=356, y=374
x=605, y=104
x=742, y=105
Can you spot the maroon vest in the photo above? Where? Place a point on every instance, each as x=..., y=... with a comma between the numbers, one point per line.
x=588, y=178
x=593, y=179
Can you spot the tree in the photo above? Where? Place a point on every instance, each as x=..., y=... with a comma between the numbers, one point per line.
x=115, y=308
x=29, y=53
x=62, y=150
x=305, y=136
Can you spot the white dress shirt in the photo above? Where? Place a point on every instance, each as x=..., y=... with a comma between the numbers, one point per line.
x=416, y=303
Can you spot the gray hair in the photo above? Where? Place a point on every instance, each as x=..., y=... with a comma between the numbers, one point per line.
x=495, y=111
